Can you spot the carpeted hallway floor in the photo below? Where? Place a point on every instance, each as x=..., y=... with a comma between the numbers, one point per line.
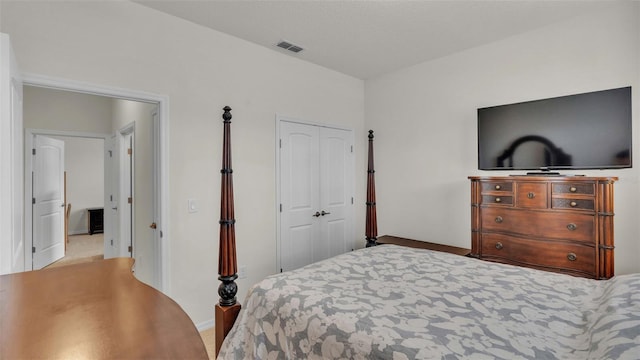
x=82, y=248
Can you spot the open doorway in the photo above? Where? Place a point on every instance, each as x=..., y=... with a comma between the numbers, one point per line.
x=72, y=113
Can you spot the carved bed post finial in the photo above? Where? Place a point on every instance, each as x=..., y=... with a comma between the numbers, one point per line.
x=227, y=309
x=371, y=231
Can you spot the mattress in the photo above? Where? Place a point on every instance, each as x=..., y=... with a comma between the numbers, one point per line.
x=392, y=302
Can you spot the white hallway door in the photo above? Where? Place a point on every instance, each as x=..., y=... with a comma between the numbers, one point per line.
x=48, y=201
x=316, y=193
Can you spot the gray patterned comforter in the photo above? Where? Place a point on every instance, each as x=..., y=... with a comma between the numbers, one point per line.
x=390, y=302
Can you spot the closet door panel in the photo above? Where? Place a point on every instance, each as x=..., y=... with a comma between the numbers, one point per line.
x=299, y=177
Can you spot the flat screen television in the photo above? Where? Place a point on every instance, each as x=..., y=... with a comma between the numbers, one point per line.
x=583, y=131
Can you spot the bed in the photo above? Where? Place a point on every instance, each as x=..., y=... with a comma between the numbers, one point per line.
x=392, y=302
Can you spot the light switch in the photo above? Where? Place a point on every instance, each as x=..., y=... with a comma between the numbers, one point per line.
x=192, y=205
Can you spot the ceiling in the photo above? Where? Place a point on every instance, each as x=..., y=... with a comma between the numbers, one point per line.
x=366, y=38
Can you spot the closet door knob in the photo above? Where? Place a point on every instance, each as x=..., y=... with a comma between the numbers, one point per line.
x=317, y=214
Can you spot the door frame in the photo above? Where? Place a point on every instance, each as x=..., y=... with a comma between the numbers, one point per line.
x=110, y=173
x=278, y=120
x=161, y=137
x=11, y=159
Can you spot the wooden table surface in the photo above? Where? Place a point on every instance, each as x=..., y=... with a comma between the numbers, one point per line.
x=96, y=310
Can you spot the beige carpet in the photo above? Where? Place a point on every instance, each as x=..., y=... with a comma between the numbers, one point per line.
x=82, y=248
x=209, y=338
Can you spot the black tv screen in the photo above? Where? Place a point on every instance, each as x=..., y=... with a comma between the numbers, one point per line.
x=583, y=131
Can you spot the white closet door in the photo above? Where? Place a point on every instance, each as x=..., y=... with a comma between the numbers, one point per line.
x=316, y=192
x=336, y=189
x=300, y=198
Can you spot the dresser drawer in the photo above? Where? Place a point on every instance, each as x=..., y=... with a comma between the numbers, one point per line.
x=505, y=186
x=585, y=188
x=569, y=203
x=559, y=256
x=497, y=200
x=531, y=195
x=545, y=224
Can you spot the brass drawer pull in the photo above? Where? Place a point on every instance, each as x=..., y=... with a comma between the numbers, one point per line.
x=572, y=257
x=498, y=200
x=573, y=189
x=531, y=195
x=499, y=219
x=573, y=204
x=499, y=245
x=498, y=187
x=572, y=227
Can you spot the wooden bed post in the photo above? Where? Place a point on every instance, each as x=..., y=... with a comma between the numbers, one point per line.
x=227, y=309
x=371, y=231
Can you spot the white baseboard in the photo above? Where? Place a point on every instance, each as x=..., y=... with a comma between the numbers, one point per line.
x=206, y=325
x=78, y=232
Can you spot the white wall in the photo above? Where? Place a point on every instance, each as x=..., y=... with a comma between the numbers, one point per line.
x=52, y=109
x=126, y=45
x=425, y=121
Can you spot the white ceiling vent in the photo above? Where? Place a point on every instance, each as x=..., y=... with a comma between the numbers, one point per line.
x=289, y=46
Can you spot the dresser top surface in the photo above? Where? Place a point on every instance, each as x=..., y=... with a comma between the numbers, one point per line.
x=545, y=178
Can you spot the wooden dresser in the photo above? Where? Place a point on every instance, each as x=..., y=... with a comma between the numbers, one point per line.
x=555, y=223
